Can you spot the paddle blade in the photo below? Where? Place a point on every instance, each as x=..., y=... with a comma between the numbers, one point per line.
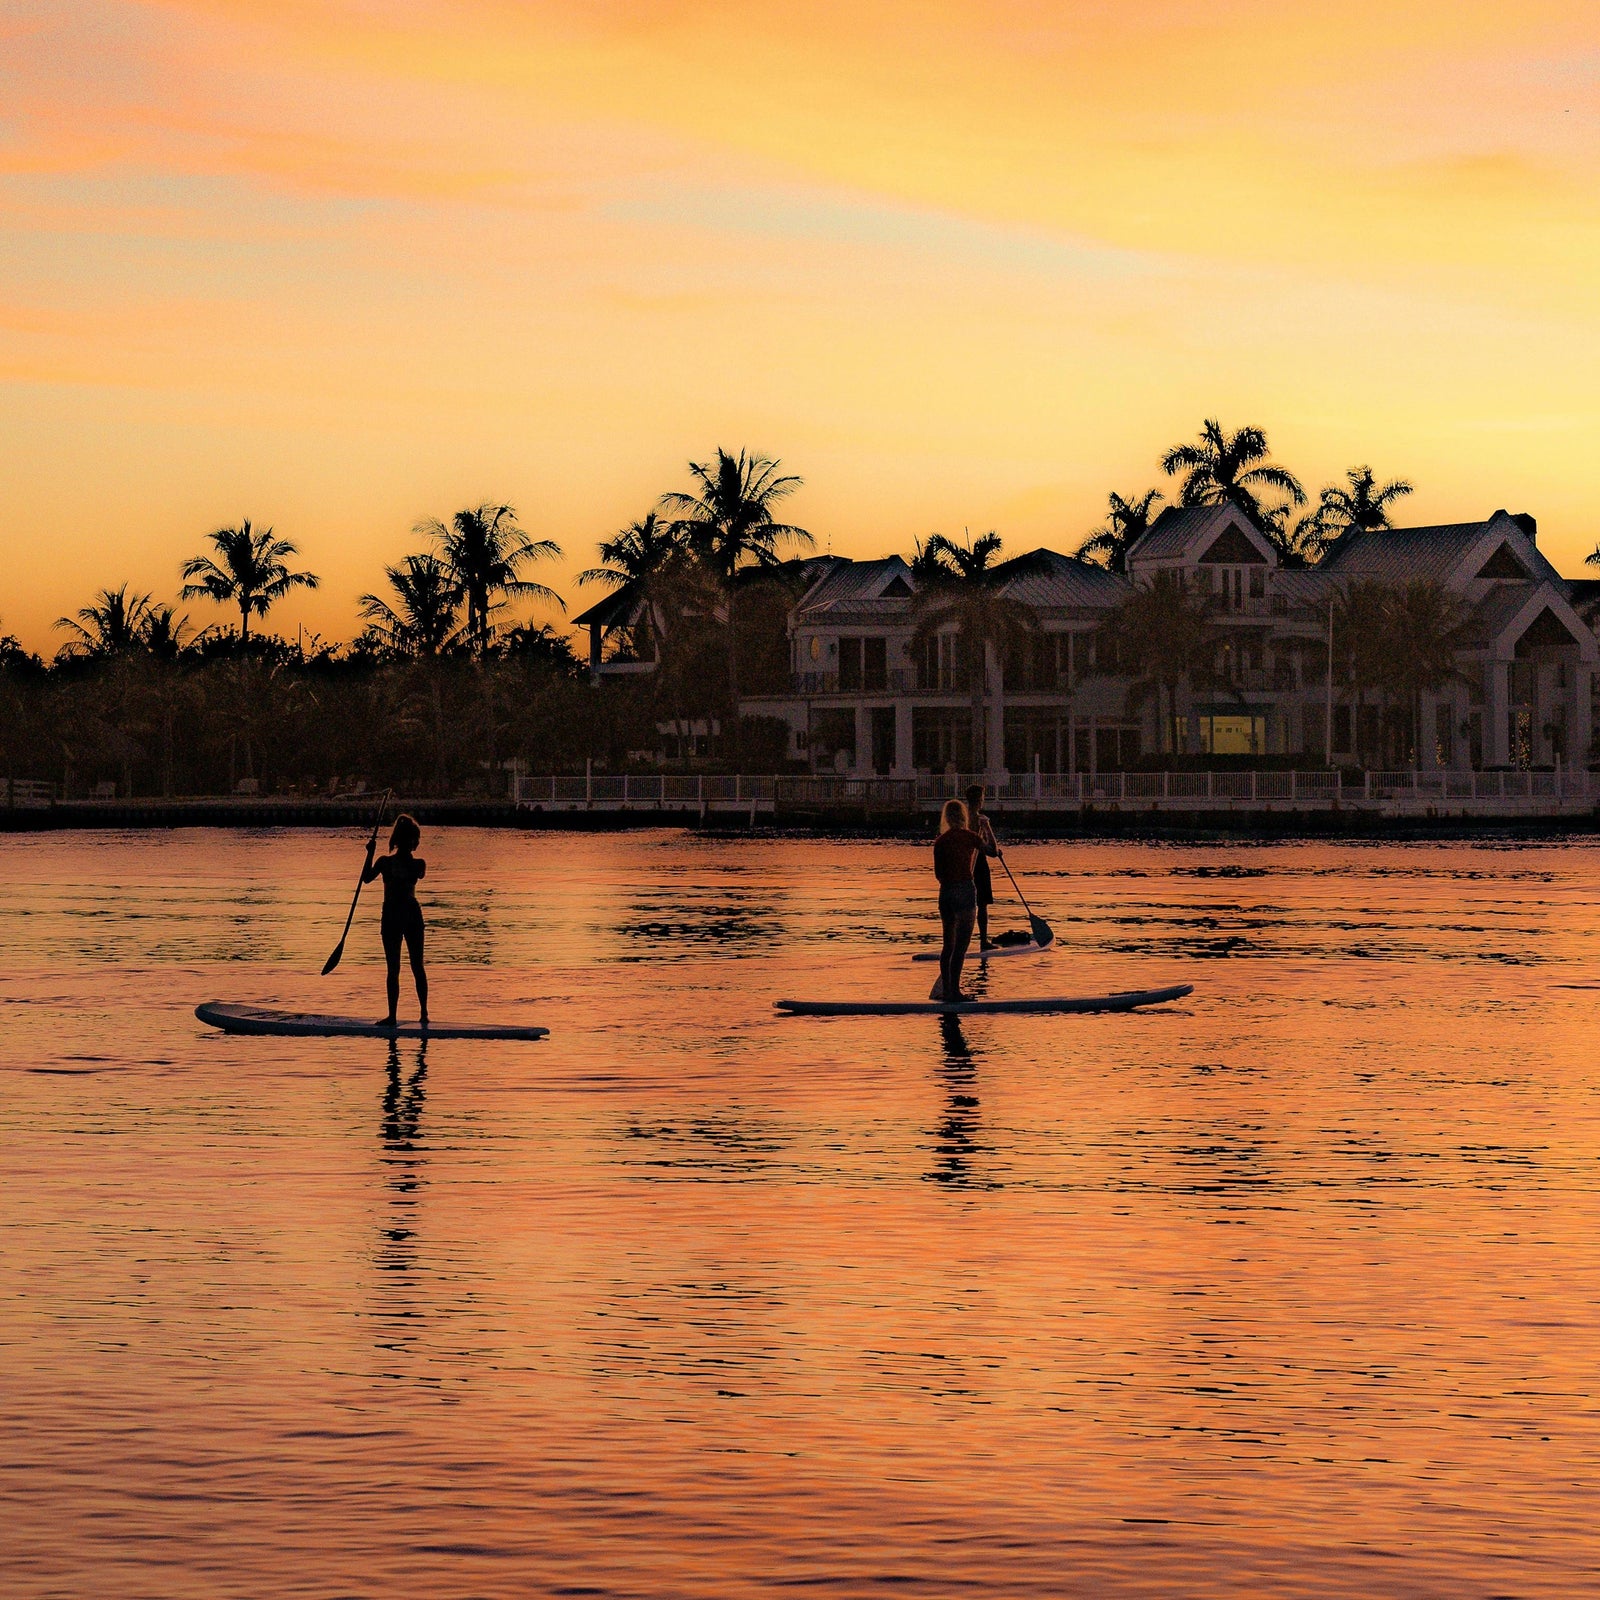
x=333, y=960
x=1043, y=933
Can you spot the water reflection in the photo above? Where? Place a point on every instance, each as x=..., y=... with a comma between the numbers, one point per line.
x=955, y=1139
x=405, y=1163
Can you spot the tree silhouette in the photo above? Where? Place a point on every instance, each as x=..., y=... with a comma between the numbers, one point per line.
x=1164, y=636
x=633, y=553
x=961, y=589
x=1426, y=629
x=1226, y=468
x=1127, y=521
x=1298, y=543
x=112, y=624
x=485, y=550
x=1363, y=507
x=248, y=568
x=423, y=617
x=728, y=523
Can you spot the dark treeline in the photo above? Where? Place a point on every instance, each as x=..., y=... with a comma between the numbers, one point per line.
x=443, y=693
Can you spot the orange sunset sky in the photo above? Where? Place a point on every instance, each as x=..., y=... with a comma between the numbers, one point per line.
x=340, y=264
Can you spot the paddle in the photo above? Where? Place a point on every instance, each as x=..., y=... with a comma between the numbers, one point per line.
x=1042, y=931
x=338, y=949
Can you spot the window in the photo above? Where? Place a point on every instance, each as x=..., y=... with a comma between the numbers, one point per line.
x=850, y=665
x=1258, y=583
x=1240, y=735
x=875, y=664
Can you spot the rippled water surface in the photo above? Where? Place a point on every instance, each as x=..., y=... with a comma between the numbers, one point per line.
x=1289, y=1290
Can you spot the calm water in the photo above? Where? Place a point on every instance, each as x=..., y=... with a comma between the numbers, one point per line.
x=1290, y=1290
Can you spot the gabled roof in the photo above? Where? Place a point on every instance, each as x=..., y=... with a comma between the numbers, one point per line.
x=852, y=585
x=1048, y=580
x=1512, y=608
x=1182, y=531
x=1441, y=553
x=618, y=610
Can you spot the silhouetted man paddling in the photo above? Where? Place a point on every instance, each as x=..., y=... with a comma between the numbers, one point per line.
x=400, y=870
x=982, y=879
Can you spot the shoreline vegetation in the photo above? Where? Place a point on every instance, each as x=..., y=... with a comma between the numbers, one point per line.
x=445, y=695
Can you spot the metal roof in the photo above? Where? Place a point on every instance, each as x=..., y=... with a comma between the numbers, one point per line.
x=1179, y=528
x=851, y=585
x=618, y=610
x=1399, y=555
x=1048, y=580
x=1043, y=579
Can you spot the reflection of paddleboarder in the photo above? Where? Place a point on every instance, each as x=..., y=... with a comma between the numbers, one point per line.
x=402, y=916
x=981, y=877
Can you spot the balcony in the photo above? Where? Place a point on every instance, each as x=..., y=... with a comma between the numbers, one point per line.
x=1278, y=679
x=816, y=685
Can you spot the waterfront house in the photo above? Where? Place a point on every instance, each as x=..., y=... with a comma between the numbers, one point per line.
x=865, y=698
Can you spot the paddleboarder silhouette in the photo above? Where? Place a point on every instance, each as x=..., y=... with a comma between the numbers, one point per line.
x=401, y=871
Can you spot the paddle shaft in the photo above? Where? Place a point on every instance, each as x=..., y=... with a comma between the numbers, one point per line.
x=338, y=949
x=1015, y=885
x=1041, y=929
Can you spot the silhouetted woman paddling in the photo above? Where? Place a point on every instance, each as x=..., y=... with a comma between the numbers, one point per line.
x=402, y=916
x=954, y=852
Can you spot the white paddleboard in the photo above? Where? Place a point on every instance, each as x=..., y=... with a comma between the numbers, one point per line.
x=310, y=1025
x=975, y=954
x=1128, y=1000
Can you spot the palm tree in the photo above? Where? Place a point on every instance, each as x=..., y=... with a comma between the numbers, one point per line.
x=249, y=569
x=165, y=634
x=422, y=619
x=1361, y=508
x=1229, y=469
x=112, y=625
x=1164, y=636
x=633, y=553
x=962, y=590
x=1127, y=521
x=1361, y=611
x=634, y=559
x=1299, y=543
x=1427, y=627
x=727, y=522
x=485, y=550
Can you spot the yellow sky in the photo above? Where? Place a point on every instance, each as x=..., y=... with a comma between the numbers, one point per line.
x=341, y=264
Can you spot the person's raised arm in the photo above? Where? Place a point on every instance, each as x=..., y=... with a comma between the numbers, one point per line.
x=372, y=869
x=986, y=839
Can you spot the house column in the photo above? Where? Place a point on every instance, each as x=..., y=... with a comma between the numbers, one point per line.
x=1496, y=741
x=995, y=723
x=863, y=761
x=1579, y=723
x=904, y=760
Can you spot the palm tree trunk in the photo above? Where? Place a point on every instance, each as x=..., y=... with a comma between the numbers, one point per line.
x=976, y=675
x=731, y=741
x=437, y=696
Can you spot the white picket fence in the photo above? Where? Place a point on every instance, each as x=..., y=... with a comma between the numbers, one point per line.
x=1179, y=791
x=26, y=792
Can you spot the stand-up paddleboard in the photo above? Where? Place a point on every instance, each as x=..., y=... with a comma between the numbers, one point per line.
x=309, y=1025
x=1028, y=949
x=1130, y=1000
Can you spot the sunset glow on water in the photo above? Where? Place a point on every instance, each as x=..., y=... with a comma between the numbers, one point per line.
x=1286, y=1290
